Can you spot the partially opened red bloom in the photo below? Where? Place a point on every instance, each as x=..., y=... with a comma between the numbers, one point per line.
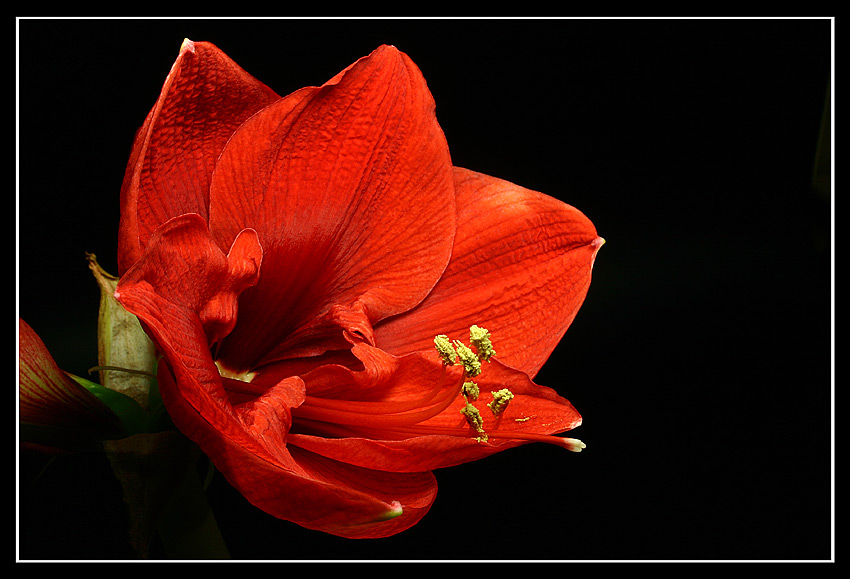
x=294, y=258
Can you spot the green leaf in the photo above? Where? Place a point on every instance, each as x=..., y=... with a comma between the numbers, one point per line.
x=134, y=419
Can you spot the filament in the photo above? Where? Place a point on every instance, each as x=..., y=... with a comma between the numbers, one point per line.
x=366, y=415
x=366, y=407
x=409, y=431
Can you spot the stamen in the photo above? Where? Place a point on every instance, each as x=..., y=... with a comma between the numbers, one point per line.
x=402, y=420
x=445, y=349
x=473, y=417
x=571, y=444
x=367, y=407
x=500, y=401
x=480, y=338
x=348, y=413
x=471, y=363
x=470, y=390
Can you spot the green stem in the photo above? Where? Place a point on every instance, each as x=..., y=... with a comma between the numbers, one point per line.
x=188, y=529
x=165, y=496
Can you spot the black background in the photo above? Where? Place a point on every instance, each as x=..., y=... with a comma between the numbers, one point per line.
x=701, y=360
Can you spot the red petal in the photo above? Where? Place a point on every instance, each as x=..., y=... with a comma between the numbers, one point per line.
x=49, y=397
x=204, y=98
x=305, y=488
x=521, y=268
x=186, y=268
x=350, y=189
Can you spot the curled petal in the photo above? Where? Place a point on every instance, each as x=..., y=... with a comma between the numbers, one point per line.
x=186, y=268
x=205, y=97
x=320, y=493
x=521, y=266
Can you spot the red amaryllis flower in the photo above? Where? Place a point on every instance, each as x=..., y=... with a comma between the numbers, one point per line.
x=294, y=259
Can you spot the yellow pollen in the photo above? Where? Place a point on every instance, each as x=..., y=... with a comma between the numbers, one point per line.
x=455, y=352
x=445, y=350
x=470, y=390
x=470, y=361
x=473, y=417
x=480, y=338
x=500, y=400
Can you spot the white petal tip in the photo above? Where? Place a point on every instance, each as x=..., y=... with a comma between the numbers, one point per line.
x=187, y=45
x=394, y=511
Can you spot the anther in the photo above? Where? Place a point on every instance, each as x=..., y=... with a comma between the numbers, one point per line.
x=467, y=357
x=480, y=338
x=445, y=350
x=500, y=400
x=473, y=418
x=470, y=390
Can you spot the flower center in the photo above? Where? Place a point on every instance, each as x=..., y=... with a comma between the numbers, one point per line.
x=401, y=420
